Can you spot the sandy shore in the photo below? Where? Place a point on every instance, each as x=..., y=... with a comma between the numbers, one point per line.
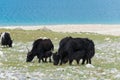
x=95, y=28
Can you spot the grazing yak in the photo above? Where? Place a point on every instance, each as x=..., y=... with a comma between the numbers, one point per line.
x=42, y=49
x=6, y=39
x=74, y=49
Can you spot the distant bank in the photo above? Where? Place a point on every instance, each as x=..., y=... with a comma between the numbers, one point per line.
x=94, y=28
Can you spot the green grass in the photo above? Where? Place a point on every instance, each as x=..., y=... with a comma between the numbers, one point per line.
x=16, y=56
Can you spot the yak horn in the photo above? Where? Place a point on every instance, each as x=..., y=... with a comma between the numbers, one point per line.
x=28, y=49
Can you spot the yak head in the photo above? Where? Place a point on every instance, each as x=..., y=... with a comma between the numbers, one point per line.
x=56, y=58
x=30, y=56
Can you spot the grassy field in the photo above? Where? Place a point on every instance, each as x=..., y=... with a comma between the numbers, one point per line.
x=105, y=63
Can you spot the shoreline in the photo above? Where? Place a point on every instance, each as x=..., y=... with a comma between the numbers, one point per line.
x=111, y=29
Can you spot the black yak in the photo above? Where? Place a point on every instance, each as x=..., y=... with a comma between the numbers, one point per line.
x=42, y=49
x=74, y=48
x=6, y=39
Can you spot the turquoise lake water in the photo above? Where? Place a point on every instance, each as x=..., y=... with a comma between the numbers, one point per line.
x=39, y=12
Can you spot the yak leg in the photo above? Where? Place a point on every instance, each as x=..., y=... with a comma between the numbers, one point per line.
x=38, y=56
x=89, y=61
x=70, y=62
x=83, y=62
x=61, y=62
x=50, y=59
x=77, y=61
x=39, y=60
x=45, y=60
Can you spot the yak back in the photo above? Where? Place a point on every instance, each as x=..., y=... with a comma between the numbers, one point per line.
x=76, y=44
x=42, y=45
x=64, y=41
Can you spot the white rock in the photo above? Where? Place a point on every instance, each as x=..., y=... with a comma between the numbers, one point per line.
x=60, y=69
x=14, y=78
x=107, y=39
x=104, y=73
x=2, y=75
x=102, y=53
x=1, y=64
x=92, y=78
x=45, y=38
x=117, y=51
x=117, y=76
x=113, y=70
x=89, y=66
x=1, y=54
x=56, y=38
x=28, y=75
